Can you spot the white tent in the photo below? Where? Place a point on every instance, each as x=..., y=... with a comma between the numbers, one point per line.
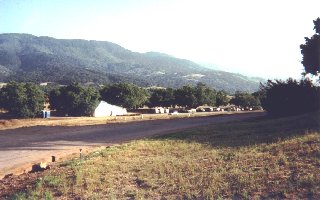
x=104, y=109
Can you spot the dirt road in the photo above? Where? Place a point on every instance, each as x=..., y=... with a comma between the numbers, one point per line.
x=21, y=148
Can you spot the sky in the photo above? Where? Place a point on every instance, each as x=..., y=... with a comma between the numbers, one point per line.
x=253, y=37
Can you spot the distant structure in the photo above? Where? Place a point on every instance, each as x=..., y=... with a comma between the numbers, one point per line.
x=105, y=109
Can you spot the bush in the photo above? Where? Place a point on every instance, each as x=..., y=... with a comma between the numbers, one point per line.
x=290, y=97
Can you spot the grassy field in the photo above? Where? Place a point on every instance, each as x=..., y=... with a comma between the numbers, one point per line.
x=261, y=158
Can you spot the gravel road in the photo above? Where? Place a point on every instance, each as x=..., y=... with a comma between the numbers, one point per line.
x=21, y=148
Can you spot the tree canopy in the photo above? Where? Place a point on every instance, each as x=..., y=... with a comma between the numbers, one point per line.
x=162, y=97
x=74, y=100
x=192, y=97
x=244, y=99
x=205, y=95
x=185, y=96
x=222, y=98
x=125, y=95
x=311, y=51
x=290, y=97
x=22, y=99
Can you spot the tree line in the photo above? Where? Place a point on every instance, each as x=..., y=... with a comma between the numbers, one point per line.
x=277, y=97
x=27, y=99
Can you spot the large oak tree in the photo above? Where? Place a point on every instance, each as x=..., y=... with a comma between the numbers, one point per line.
x=125, y=95
x=74, y=100
x=22, y=99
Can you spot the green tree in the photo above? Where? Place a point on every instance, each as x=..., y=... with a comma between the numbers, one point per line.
x=259, y=95
x=290, y=97
x=125, y=95
x=186, y=96
x=244, y=99
x=205, y=95
x=311, y=51
x=22, y=99
x=74, y=100
x=162, y=97
x=222, y=98
x=193, y=97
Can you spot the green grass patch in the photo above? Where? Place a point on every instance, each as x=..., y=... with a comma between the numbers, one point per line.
x=261, y=158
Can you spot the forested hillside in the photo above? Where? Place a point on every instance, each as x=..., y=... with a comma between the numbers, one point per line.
x=25, y=57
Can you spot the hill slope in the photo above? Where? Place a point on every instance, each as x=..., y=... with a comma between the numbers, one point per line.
x=25, y=57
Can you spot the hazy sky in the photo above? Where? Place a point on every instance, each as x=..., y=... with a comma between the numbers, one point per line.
x=253, y=37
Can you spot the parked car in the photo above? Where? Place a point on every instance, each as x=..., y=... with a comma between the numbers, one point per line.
x=201, y=110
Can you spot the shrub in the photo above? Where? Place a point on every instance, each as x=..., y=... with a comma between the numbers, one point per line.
x=290, y=97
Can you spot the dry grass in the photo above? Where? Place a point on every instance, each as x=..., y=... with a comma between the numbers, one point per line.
x=264, y=158
x=87, y=121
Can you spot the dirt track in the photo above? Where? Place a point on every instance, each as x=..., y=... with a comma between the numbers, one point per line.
x=21, y=148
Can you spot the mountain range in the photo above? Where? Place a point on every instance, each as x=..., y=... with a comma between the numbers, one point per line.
x=24, y=57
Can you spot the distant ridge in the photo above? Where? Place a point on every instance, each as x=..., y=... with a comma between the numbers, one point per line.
x=24, y=57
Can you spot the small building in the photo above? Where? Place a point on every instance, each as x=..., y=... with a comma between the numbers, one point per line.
x=105, y=109
x=160, y=110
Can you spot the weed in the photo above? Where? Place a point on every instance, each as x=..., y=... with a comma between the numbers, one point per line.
x=53, y=181
x=18, y=196
x=47, y=195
